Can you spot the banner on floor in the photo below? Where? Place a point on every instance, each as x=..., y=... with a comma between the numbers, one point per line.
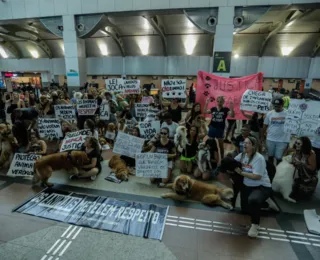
x=141, y=109
x=104, y=111
x=74, y=140
x=49, y=128
x=128, y=145
x=115, y=85
x=303, y=118
x=66, y=112
x=132, y=86
x=125, y=217
x=256, y=101
x=86, y=107
x=149, y=129
x=22, y=164
x=152, y=165
x=212, y=86
x=174, y=88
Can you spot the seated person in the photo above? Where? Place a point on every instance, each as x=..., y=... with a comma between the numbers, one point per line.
x=239, y=140
x=36, y=146
x=172, y=126
x=188, y=155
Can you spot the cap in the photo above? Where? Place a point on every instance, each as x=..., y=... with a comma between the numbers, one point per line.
x=277, y=101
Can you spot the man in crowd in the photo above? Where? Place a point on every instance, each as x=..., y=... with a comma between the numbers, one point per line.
x=170, y=124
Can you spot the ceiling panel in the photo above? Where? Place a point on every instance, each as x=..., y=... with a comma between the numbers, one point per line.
x=134, y=45
x=178, y=24
x=26, y=47
x=247, y=45
x=94, y=46
x=56, y=47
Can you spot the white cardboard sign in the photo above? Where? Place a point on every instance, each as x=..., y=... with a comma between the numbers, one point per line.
x=132, y=86
x=74, y=140
x=149, y=129
x=152, y=165
x=128, y=145
x=141, y=109
x=49, y=128
x=86, y=107
x=66, y=112
x=115, y=85
x=104, y=111
x=256, y=101
x=22, y=164
x=174, y=88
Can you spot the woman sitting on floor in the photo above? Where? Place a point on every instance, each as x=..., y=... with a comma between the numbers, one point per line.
x=188, y=156
x=36, y=146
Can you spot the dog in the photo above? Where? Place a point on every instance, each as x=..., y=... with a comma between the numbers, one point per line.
x=180, y=138
x=8, y=146
x=204, y=157
x=209, y=194
x=283, y=179
x=45, y=165
x=119, y=167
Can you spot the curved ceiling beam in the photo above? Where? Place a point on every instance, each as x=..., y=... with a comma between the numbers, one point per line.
x=316, y=48
x=9, y=46
x=14, y=29
x=291, y=18
x=157, y=25
x=112, y=31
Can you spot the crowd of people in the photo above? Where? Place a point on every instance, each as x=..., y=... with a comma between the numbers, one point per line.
x=18, y=132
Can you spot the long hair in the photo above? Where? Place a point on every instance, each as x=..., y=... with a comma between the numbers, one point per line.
x=255, y=148
x=94, y=143
x=197, y=132
x=194, y=114
x=90, y=123
x=306, y=146
x=138, y=130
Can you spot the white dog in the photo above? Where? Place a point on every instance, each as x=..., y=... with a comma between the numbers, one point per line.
x=180, y=138
x=204, y=157
x=283, y=180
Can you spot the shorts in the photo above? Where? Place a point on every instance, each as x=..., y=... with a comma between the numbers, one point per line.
x=276, y=149
x=182, y=158
x=216, y=132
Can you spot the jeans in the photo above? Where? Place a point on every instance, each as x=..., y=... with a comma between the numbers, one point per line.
x=252, y=199
x=276, y=149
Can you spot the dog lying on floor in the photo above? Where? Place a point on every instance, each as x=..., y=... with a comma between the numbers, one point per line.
x=209, y=194
x=69, y=161
x=283, y=179
x=119, y=167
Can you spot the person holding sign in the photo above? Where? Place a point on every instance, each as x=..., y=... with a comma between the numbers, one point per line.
x=164, y=145
x=36, y=146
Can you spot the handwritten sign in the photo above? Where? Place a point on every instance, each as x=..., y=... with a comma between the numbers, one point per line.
x=152, y=165
x=22, y=164
x=74, y=140
x=104, y=111
x=86, y=107
x=128, y=145
x=303, y=118
x=151, y=114
x=141, y=109
x=149, y=129
x=115, y=85
x=49, y=128
x=66, y=112
x=132, y=86
x=256, y=101
x=174, y=88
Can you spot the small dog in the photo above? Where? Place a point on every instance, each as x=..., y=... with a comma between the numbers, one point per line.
x=204, y=157
x=283, y=179
x=119, y=167
x=186, y=188
x=180, y=138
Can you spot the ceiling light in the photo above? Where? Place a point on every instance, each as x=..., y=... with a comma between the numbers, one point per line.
x=103, y=49
x=286, y=50
x=62, y=47
x=146, y=24
x=234, y=33
x=236, y=56
x=3, y=53
x=103, y=32
x=290, y=23
x=189, y=24
x=144, y=47
x=34, y=54
x=189, y=44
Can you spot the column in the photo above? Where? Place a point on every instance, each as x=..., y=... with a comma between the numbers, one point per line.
x=45, y=79
x=74, y=55
x=223, y=41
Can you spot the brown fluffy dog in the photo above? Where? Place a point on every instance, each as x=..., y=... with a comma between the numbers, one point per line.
x=119, y=167
x=69, y=161
x=187, y=188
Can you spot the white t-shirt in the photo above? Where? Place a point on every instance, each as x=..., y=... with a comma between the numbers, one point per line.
x=172, y=128
x=256, y=166
x=275, y=123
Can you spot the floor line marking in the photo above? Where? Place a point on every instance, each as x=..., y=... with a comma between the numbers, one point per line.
x=314, y=240
x=186, y=222
x=65, y=248
x=169, y=224
x=220, y=231
x=50, y=257
x=311, y=235
x=44, y=257
x=280, y=239
x=203, y=225
x=264, y=237
x=187, y=218
x=71, y=232
x=278, y=235
x=296, y=237
x=300, y=242
x=206, y=229
x=185, y=226
x=58, y=248
x=316, y=244
x=221, y=223
x=65, y=232
x=76, y=234
x=48, y=252
x=201, y=220
x=263, y=233
x=170, y=216
x=276, y=230
x=295, y=233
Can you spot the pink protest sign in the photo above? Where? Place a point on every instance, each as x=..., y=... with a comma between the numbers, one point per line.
x=213, y=86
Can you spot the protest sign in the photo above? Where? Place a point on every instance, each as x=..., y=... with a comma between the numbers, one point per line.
x=141, y=109
x=256, y=101
x=128, y=145
x=149, y=129
x=115, y=85
x=132, y=86
x=151, y=114
x=303, y=118
x=49, y=128
x=104, y=111
x=74, y=140
x=174, y=88
x=152, y=165
x=22, y=164
x=110, y=135
x=232, y=89
x=86, y=107
x=66, y=112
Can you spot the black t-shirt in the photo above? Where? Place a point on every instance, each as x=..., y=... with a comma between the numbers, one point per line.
x=191, y=149
x=93, y=154
x=167, y=149
x=29, y=113
x=219, y=117
x=254, y=125
x=176, y=113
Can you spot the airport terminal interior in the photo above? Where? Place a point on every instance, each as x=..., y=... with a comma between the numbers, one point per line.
x=127, y=128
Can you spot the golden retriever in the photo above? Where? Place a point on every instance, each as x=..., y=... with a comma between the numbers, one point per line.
x=69, y=161
x=187, y=188
x=119, y=167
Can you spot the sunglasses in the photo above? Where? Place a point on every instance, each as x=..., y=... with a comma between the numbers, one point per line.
x=162, y=133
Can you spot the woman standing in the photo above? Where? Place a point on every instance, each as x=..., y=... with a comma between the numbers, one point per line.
x=256, y=183
x=188, y=155
x=166, y=146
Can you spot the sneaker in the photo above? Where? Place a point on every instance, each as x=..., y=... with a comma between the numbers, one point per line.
x=94, y=177
x=73, y=177
x=253, y=231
